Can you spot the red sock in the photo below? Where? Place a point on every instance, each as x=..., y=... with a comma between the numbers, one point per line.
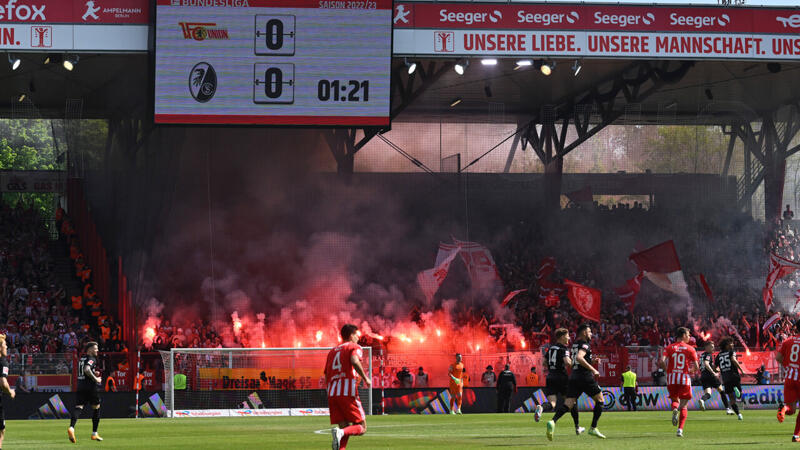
x=789, y=410
x=797, y=426
x=684, y=413
x=354, y=430
x=452, y=402
x=343, y=442
x=675, y=405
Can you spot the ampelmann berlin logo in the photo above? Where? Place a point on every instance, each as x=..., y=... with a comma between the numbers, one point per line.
x=203, y=82
x=91, y=11
x=791, y=21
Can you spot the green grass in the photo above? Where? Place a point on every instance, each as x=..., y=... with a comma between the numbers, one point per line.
x=712, y=429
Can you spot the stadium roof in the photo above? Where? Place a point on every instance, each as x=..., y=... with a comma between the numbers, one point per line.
x=711, y=91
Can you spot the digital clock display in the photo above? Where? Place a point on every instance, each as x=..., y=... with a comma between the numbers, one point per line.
x=273, y=62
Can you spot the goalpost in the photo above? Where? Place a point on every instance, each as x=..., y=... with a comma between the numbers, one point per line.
x=247, y=382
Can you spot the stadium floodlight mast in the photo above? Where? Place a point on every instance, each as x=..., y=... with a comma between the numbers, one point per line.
x=14, y=61
x=523, y=63
x=70, y=62
x=461, y=66
x=411, y=65
x=547, y=67
x=576, y=68
x=239, y=382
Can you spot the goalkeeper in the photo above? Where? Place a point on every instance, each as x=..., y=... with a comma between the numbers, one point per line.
x=456, y=388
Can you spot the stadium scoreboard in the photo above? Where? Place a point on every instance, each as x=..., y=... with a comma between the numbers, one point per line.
x=302, y=62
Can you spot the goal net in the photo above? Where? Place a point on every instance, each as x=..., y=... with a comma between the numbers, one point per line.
x=221, y=382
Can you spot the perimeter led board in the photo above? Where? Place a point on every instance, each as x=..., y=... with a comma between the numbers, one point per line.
x=306, y=62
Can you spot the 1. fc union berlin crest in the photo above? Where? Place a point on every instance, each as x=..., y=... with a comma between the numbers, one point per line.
x=584, y=299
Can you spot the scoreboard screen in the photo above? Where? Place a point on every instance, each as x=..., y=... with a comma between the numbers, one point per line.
x=281, y=62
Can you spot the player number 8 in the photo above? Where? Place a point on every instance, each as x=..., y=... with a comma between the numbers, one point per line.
x=794, y=352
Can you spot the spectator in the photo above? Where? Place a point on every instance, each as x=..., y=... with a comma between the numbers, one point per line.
x=506, y=386
x=532, y=379
x=762, y=375
x=489, y=379
x=788, y=214
x=21, y=385
x=421, y=379
x=405, y=379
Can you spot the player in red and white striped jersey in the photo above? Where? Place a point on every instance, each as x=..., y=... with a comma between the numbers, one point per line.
x=789, y=357
x=678, y=359
x=342, y=371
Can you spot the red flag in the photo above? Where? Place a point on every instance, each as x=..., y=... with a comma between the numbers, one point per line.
x=511, y=295
x=585, y=300
x=706, y=288
x=662, y=267
x=630, y=290
x=778, y=268
x=546, y=268
x=581, y=195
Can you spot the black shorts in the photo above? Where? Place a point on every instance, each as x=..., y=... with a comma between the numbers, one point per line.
x=556, y=384
x=88, y=397
x=582, y=385
x=709, y=381
x=2, y=418
x=730, y=383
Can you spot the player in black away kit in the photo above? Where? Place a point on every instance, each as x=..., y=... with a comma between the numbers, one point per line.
x=729, y=368
x=88, y=392
x=710, y=378
x=4, y=385
x=581, y=381
x=557, y=360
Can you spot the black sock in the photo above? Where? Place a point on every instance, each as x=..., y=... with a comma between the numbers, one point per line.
x=76, y=414
x=95, y=420
x=560, y=411
x=735, y=406
x=598, y=410
x=725, y=401
x=547, y=406
x=574, y=413
x=706, y=396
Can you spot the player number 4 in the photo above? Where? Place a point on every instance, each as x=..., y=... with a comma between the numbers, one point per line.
x=337, y=362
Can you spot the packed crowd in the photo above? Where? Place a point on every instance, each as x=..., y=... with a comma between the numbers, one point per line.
x=734, y=308
x=36, y=314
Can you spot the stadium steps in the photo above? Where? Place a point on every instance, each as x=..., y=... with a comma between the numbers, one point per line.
x=63, y=269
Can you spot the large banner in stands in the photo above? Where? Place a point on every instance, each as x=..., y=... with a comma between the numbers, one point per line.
x=259, y=379
x=633, y=31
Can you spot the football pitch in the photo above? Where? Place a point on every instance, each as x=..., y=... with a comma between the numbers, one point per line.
x=639, y=430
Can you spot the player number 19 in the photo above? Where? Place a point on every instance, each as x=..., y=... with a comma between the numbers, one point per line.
x=678, y=361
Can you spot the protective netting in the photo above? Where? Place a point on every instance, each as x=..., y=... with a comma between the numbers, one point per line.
x=230, y=379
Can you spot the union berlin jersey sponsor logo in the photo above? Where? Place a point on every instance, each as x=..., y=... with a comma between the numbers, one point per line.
x=595, y=17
